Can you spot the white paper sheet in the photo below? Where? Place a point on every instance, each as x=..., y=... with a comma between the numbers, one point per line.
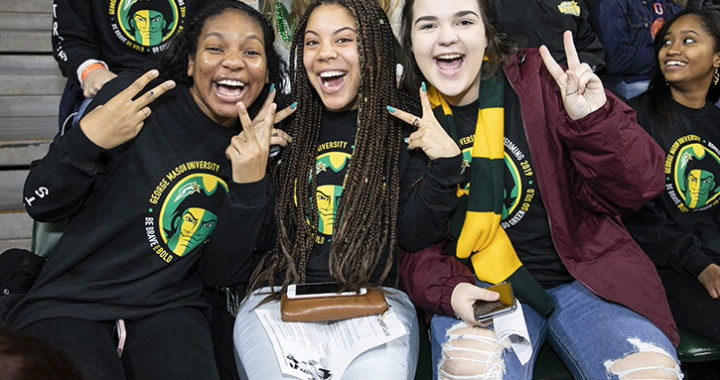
x=512, y=327
x=323, y=350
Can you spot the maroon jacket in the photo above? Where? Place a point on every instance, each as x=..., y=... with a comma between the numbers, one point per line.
x=610, y=166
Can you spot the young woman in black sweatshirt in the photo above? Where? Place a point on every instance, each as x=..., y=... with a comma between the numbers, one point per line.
x=680, y=229
x=164, y=195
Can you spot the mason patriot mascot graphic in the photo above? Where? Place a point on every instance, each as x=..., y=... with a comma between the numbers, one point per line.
x=147, y=25
x=697, y=176
x=186, y=217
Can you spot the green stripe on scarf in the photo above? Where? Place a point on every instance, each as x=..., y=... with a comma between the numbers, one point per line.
x=476, y=227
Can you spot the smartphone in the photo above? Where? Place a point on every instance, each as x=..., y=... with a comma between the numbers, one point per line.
x=274, y=151
x=319, y=289
x=485, y=311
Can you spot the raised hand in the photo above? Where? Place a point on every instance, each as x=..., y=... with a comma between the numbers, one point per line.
x=121, y=118
x=463, y=298
x=248, y=150
x=582, y=91
x=430, y=135
x=277, y=136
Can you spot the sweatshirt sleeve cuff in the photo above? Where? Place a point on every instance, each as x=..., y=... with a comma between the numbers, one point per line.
x=697, y=263
x=250, y=194
x=84, y=65
x=79, y=148
x=445, y=171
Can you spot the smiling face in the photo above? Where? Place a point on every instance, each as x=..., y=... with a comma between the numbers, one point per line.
x=448, y=43
x=229, y=65
x=688, y=56
x=330, y=56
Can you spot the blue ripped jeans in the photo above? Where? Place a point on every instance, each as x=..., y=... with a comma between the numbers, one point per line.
x=587, y=332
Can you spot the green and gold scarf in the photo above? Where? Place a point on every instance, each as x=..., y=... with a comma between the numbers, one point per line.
x=476, y=227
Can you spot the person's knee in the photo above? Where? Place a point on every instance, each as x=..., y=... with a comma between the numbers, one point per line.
x=649, y=362
x=471, y=353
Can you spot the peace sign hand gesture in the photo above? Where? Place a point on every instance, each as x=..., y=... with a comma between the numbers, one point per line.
x=581, y=90
x=430, y=135
x=121, y=118
x=248, y=151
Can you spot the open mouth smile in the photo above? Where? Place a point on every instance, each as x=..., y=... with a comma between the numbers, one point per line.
x=674, y=64
x=332, y=80
x=229, y=90
x=449, y=63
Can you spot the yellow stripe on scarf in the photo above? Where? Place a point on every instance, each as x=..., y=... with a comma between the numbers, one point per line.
x=481, y=233
x=492, y=145
x=482, y=238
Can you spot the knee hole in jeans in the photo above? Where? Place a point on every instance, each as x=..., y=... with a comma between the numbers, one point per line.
x=471, y=353
x=650, y=362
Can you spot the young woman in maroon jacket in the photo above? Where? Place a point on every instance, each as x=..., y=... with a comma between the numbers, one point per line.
x=549, y=161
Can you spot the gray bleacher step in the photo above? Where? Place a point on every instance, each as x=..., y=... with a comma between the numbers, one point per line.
x=15, y=225
x=25, y=41
x=32, y=74
x=6, y=244
x=36, y=105
x=21, y=153
x=36, y=6
x=29, y=97
x=11, y=190
x=28, y=62
x=24, y=128
x=25, y=82
x=26, y=21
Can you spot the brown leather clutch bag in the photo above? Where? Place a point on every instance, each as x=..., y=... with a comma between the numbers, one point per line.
x=332, y=308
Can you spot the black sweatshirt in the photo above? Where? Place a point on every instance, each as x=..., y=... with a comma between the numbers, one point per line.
x=111, y=31
x=337, y=136
x=680, y=229
x=151, y=221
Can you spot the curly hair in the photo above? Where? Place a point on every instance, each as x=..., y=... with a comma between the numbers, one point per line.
x=499, y=46
x=659, y=90
x=173, y=61
x=365, y=225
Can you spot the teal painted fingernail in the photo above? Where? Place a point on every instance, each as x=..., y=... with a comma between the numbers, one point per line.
x=406, y=140
x=272, y=87
x=293, y=105
x=391, y=109
x=423, y=87
x=291, y=139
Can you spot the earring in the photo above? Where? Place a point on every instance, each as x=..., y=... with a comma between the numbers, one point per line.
x=716, y=77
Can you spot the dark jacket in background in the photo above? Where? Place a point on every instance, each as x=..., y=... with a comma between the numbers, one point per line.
x=624, y=27
x=536, y=22
x=713, y=5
